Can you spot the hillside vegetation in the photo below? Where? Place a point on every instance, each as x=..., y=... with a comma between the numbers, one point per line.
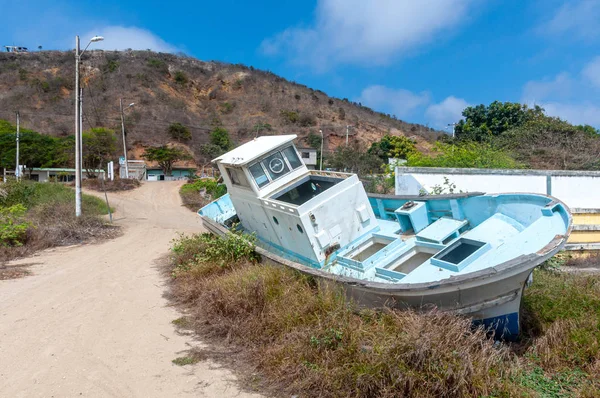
x=181, y=100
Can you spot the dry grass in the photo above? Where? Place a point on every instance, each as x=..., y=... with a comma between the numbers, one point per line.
x=307, y=339
x=111, y=186
x=289, y=335
x=55, y=224
x=51, y=216
x=14, y=271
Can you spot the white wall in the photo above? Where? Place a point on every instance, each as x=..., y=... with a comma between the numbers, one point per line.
x=578, y=189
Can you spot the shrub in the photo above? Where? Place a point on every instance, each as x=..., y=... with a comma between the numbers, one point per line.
x=13, y=225
x=200, y=192
x=467, y=154
x=307, y=120
x=179, y=132
x=180, y=78
x=157, y=64
x=227, y=107
x=289, y=116
x=111, y=66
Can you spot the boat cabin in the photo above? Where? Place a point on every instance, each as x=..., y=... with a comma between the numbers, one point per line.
x=307, y=212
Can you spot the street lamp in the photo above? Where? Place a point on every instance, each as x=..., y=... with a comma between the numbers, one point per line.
x=321, y=163
x=123, y=132
x=78, y=138
x=453, y=127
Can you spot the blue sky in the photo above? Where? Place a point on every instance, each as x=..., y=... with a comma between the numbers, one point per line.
x=421, y=60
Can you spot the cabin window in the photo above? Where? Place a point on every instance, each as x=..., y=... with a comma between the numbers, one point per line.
x=259, y=175
x=305, y=155
x=275, y=165
x=292, y=157
x=275, y=220
x=237, y=177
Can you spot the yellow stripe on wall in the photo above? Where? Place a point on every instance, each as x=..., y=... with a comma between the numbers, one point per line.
x=584, y=237
x=585, y=219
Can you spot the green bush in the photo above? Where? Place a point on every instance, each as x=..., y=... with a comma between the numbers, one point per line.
x=180, y=78
x=465, y=154
x=211, y=186
x=13, y=226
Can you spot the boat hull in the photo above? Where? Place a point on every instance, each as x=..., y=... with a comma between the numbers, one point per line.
x=491, y=297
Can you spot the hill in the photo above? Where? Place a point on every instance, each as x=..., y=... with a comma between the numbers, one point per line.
x=168, y=89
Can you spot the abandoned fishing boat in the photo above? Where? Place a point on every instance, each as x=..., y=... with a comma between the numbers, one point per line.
x=469, y=253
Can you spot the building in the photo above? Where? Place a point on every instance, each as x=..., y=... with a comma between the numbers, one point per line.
x=137, y=169
x=57, y=174
x=309, y=157
x=15, y=49
x=178, y=173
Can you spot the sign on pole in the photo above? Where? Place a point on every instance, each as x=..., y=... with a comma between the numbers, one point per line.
x=121, y=160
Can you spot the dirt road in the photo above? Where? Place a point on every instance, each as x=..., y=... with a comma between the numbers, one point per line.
x=92, y=321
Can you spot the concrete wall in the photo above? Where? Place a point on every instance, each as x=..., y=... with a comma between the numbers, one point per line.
x=578, y=189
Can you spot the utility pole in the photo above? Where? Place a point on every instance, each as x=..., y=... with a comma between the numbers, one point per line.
x=78, y=139
x=123, y=132
x=347, y=127
x=77, y=132
x=17, y=170
x=321, y=162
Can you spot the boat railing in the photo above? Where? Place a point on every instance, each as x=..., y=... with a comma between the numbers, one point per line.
x=334, y=174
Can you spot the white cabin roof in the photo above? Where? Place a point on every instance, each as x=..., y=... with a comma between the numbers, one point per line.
x=254, y=149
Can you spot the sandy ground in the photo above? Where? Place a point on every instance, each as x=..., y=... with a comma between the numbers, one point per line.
x=92, y=321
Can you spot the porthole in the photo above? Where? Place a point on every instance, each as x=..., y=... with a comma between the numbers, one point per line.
x=299, y=228
x=275, y=220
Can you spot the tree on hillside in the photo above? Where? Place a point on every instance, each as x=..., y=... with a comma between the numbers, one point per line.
x=179, y=132
x=220, y=142
x=165, y=157
x=482, y=123
x=393, y=146
x=99, y=146
x=352, y=159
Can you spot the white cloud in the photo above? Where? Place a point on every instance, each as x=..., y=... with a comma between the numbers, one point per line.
x=572, y=98
x=561, y=85
x=577, y=19
x=399, y=102
x=582, y=113
x=592, y=72
x=366, y=32
x=447, y=111
x=122, y=38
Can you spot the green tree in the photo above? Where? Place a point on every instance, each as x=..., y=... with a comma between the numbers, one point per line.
x=35, y=150
x=99, y=146
x=179, y=132
x=165, y=157
x=220, y=137
x=352, y=159
x=482, y=123
x=220, y=142
x=393, y=146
